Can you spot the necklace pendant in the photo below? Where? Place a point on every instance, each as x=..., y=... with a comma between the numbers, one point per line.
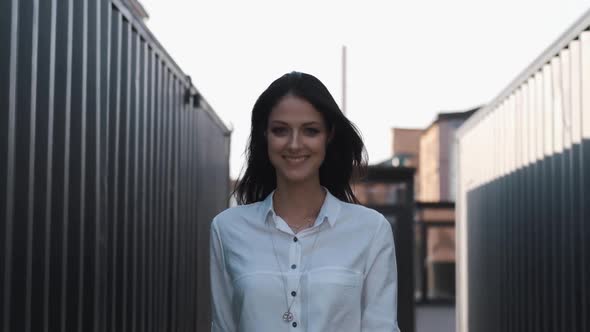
x=288, y=316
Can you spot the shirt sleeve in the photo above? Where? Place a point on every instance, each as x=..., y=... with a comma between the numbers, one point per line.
x=221, y=286
x=379, y=297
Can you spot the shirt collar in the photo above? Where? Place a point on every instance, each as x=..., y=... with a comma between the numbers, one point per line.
x=330, y=208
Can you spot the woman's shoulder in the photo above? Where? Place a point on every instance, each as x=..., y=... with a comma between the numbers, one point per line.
x=363, y=214
x=238, y=212
x=354, y=210
x=359, y=209
x=364, y=220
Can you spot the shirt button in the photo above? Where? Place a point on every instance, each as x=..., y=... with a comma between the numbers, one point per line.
x=294, y=324
x=293, y=293
x=293, y=266
x=294, y=239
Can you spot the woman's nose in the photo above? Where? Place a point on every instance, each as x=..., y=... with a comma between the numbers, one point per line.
x=294, y=140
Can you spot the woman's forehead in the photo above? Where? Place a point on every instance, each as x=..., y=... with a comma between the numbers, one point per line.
x=294, y=109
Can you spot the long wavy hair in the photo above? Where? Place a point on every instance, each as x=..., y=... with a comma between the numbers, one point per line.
x=345, y=158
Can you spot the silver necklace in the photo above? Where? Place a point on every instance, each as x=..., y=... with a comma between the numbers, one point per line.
x=296, y=229
x=288, y=315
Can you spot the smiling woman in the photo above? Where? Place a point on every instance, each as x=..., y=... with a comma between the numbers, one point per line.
x=293, y=107
x=297, y=136
x=298, y=252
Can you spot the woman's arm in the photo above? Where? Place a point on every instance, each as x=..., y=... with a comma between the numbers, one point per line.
x=379, y=297
x=221, y=287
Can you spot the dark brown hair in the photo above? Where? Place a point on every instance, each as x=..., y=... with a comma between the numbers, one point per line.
x=345, y=152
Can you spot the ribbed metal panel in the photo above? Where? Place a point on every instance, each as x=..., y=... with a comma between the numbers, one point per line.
x=111, y=168
x=523, y=202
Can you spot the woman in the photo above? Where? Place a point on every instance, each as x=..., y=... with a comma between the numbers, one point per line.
x=299, y=254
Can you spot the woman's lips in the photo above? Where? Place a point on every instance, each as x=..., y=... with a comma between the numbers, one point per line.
x=295, y=159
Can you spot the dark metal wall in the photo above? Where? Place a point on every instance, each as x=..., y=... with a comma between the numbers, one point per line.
x=525, y=198
x=111, y=168
x=528, y=262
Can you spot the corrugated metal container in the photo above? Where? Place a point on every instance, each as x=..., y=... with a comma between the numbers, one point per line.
x=524, y=198
x=111, y=168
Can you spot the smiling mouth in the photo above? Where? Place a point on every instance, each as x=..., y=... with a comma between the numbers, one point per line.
x=295, y=159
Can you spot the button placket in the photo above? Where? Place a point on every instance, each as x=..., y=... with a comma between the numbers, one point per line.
x=292, y=284
x=295, y=256
x=297, y=309
x=294, y=268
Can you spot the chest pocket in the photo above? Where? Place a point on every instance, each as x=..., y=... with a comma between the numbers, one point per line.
x=335, y=293
x=337, y=277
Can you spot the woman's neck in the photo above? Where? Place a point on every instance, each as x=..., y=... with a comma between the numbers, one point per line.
x=298, y=202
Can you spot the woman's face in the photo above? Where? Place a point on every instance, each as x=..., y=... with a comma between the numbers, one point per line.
x=297, y=137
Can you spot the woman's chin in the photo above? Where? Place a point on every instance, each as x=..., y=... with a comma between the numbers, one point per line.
x=297, y=176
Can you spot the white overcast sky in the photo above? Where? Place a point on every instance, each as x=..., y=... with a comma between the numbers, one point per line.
x=407, y=60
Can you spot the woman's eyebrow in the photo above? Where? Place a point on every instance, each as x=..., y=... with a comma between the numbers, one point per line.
x=311, y=123
x=278, y=122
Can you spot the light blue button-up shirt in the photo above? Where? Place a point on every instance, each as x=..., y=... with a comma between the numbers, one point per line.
x=347, y=282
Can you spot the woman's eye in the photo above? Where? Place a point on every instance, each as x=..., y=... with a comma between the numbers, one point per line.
x=312, y=131
x=278, y=130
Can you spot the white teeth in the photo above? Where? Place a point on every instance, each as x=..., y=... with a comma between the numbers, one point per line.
x=296, y=159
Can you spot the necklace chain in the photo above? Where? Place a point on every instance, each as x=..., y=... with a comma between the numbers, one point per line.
x=296, y=229
x=288, y=315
